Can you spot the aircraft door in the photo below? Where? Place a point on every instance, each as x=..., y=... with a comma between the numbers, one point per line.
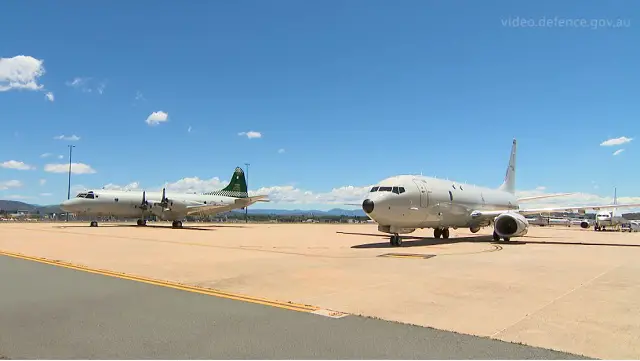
x=424, y=194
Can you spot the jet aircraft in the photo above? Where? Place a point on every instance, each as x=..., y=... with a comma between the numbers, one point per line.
x=608, y=218
x=167, y=206
x=404, y=203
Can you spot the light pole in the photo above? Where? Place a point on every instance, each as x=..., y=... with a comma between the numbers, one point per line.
x=246, y=209
x=69, y=185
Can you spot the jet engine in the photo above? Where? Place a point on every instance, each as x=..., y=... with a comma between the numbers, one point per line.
x=511, y=224
x=584, y=224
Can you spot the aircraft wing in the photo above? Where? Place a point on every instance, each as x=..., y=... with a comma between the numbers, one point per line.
x=524, y=199
x=576, y=209
x=215, y=208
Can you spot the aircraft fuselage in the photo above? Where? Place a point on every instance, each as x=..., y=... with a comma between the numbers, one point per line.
x=408, y=202
x=127, y=204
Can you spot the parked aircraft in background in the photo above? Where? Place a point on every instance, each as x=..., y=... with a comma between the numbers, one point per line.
x=403, y=203
x=167, y=206
x=611, y=219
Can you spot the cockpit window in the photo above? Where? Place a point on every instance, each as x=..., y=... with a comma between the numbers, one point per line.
x=401, y=189
x=395, y=190
x=89, y=195
x=374, y=189
x=81, y=195
x=385, y=189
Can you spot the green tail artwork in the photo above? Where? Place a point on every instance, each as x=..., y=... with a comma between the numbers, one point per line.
x=237, y=187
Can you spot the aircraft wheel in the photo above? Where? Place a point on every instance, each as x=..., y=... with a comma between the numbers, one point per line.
x=445, y=233
x=177, y=224
x=496, y=237
x=141, y=222
x=437, y=232
x=396, y=241
x=93, y=224
x=506, y=239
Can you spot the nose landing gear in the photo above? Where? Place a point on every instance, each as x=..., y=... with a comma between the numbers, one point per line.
x=396, y=241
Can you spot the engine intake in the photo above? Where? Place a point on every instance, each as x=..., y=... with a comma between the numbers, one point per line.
x=511, y=225
x=584, y=224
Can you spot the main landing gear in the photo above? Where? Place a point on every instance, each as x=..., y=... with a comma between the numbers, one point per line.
x=396, y=241
x=496, y=237
x=93, y=224
x=142, y=222
x=444, y=232
x=176, y=224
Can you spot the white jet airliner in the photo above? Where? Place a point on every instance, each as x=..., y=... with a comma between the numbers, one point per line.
x=404, y=203
x=167, y=206
x=611, y=219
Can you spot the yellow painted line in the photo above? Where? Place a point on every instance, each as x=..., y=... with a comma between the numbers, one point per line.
x=194, y=289
x=418, y=256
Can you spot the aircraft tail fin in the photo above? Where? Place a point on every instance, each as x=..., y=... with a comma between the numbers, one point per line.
x=237, y=186
x=509, y=184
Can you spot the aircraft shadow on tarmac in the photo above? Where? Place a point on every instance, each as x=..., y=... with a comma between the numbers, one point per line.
x=413, y=241
x=188, y=228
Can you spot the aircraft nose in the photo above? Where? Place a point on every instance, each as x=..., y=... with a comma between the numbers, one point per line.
x=367, y=206
x=67, y=205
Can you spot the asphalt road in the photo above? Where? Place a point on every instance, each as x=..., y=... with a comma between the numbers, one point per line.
x=51, y=312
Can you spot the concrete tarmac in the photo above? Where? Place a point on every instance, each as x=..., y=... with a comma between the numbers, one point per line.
x=567, y=289
x=51, y=312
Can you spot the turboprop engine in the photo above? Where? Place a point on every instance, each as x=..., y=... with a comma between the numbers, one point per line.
x=511, y=224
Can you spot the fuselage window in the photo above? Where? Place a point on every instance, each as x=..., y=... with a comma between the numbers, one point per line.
x=396, y=190
x=451, y=196
x=374, y=189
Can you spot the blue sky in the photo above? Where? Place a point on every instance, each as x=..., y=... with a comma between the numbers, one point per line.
x=343, y=93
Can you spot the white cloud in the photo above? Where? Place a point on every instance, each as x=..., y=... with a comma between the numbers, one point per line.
x=615, y=141
x=157, y=117
x=46, y=194
x=189, y=129
x=20, y=72
x=251, y=134
x=60, y=156
x=541, y=188
x=70, y=138
x=618, y=151
x=114, y=187
x=45, y=155
x=49, y=96
x=43, y=182
x=281, y=150
x=76, y=168
x=85, y=85
x=139, y=96
x=10, y=184
x=17, y=196
x=14, y=164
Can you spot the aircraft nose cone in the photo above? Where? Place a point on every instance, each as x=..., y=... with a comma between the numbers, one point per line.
x=66, y=206
x=367, y=206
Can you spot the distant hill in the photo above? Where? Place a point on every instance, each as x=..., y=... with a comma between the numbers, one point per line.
x=14, y=206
